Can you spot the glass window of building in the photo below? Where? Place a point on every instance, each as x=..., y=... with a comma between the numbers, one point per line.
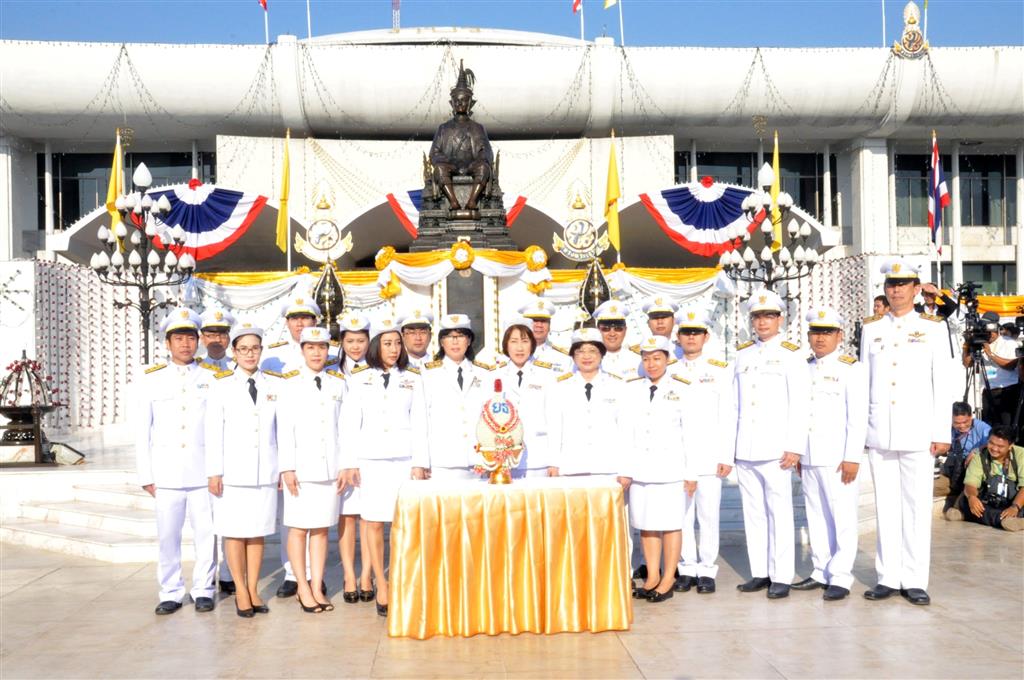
x=988, y=190
x=995, y=278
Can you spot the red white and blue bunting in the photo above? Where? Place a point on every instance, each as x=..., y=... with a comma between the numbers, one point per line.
x=406, y=206
x=213, y=218
x=704, y=217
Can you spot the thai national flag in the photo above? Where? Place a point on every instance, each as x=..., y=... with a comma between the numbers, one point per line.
x=576, y=5
x=937, y=194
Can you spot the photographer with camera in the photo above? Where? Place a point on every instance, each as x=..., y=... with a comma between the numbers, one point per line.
x=998, y=354
x=969, y=434
x=992, y=493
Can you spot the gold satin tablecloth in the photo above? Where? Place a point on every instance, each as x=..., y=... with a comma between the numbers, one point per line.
x=540, y=555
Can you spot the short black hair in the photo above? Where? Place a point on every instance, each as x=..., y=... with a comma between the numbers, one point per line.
x=528, y=332
x=342, y=357
x=182, y=331
x=576, y=345
x=1004, y=432
x=884, y=300
x=470, y=352
x=961, y=408
x=373, y=353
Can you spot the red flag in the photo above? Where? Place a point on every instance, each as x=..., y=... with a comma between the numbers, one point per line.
x=263, y=4
x=576, y=5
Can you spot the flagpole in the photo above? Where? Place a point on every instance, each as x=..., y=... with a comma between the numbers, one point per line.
x=582, y=34
x=884, y=43
x=266, y=26
x=309, y=22
x=622, y=30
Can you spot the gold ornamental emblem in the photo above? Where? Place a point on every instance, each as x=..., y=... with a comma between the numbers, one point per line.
x=763, y=299
x=896, y=268
x=821, y=314
x=184, y=314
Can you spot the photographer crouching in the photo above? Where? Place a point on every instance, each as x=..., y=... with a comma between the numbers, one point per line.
x=992, y=492
x=998, y=354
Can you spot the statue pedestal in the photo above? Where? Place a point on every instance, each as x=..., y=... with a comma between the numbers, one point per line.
x=438, y=230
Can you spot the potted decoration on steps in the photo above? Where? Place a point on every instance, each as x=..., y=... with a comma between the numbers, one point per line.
x=499, y=435
x=26, y=395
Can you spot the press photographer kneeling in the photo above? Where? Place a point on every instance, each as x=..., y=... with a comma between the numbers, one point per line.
x=998, y=354
x=992, y=493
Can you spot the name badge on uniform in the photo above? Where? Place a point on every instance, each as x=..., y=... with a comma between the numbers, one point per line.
x=406, y=384
x=671, y=396
x=534, y=387
x=475, y=383
x=706, y=379
x=203, y=386
x=271, y=397
x=916, y=337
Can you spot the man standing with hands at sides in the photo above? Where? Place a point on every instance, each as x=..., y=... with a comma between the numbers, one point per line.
x=540, y=313
x=416, y=331
x=168, y=413
x=773, y=394
x=711, y=403
x=908, y=425
x=835, y=444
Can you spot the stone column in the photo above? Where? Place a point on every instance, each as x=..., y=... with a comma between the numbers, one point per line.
x=1020, y=218
x=48, y=187
x=826, y=188
x=195, y=159
x=870, y=211
x=693, y=161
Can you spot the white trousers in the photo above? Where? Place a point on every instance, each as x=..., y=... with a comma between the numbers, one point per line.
x=903, y=509
x=831, y=523
x=172, y=507
x=703, y=507
x=767, y=492
x=282, y=534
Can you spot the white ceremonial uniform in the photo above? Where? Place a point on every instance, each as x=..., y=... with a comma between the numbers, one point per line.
x=353, y=366
x=168, y=409
x=350, y=502
x=587, y=437
x=308, y=444
x=772, y=394
x=452, y=416
x=659, y=451
x=383, y=428
x=623, y=364
x=638, y=364
x=557, y=356
x=711, y=406
x=908, y=409
x=839, y=409
x=217, y=365
x=528, y=393
x=418, y=362
x=241, y=447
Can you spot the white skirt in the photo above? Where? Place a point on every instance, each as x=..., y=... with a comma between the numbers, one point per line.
x=350, y=502
x=316, y=506
x=245, y=511
x=656, y=507
x=380, y=480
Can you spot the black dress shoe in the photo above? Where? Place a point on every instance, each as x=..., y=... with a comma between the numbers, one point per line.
x=245, y=613
x=227, y=587
x=167, y=607
x=350, y=596
x=204, y=604
x=835, y=593
x=261, y=609
x=382, y=609
x=777, y=591
x=808, y=584
x=641, y=593
x=705, y=585
x=367, y=595
x=879, y=592
x=684, y=583
x=640, y=572
x=915, y=596
x=655, y=596
x=288, y=589
x=754, y=585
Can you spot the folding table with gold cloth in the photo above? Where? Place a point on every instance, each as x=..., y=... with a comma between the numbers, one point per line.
x=542, y=555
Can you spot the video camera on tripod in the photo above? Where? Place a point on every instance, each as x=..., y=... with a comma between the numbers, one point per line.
x=978, y=329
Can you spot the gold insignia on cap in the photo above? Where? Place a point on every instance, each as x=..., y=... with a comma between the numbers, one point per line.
x=416, y=314
x=613, y=309
x=300, y=301
x=184, y=314
x=353, y=320
x=690, y=316
x=821, y=314
x=218, y=316
x=763, y=299
x=315, y=332
x=246, y=325
x=454, y=318
x=896, y=268
x=658, y=301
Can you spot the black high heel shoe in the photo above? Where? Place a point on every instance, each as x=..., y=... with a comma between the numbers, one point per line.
x=367, y=595
x=261, y=609
x=245, y=613
x=642, y=593
x=317, y=609
x=382, y=609
x=350, y=596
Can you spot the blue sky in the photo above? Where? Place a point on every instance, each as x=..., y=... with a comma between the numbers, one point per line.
x=647, y=22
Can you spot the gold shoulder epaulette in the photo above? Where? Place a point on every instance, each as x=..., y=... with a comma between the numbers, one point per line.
x=332, y=361
x=209, y=367
x=869, y=319
x=543, y=364
x=480, y=364
x=615, y=375
x=412, y=369
x=790, y=346
x=672, y=361
x=277, y=344
x=635, y=348
x=847, y=359
x=564, y=376
x=639, y=377
x=744, y=345
x=153, y=369
x=931, y=317
x=563, y=350
x=433, y=364
x=716, y=362
x=680, y=379
x=223, y=374
x=336, y=374
x=267, y=371
x=290, y=374
x=360, y=369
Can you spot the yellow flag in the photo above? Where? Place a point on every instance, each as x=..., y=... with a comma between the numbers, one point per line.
x=116, y=185
x=776, y=187
x=282, y=209
x=609, y=3
x=611, y=199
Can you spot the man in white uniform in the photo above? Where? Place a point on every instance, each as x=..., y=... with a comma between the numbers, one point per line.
x=540, y=312
x=711, y=403
x=213, y=331
x=611, y=321
x=773, y=394
x=906, y=353
x=168, y=407
x=416, y=332
x=835, y=445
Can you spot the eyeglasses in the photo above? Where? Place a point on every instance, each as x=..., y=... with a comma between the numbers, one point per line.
x=248, y=350
x=416, y=331
x=609, y=327
x=455, y=336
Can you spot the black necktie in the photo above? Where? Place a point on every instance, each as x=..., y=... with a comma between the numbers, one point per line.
x=588, y=387
x=387, y=379
x=317, y=381
x=520, y=374
x=252, y=389
x=654, y=388
x=459, y=379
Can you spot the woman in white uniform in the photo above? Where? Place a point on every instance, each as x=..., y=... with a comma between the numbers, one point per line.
x=241, y=463
x=526, y=381
x=355, y=338
x=308, y=457
x=456, y=388
x=657, y=466
x=384, y=419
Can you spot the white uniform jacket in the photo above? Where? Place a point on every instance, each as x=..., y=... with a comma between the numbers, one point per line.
x=555, y=355
x=168, y=407
x=307, y=424
x=587, y=437
x=711, y=411
x=622, y=363
x=839, y=411
x=241, y=437
x=452, y=414
x=531, y=398
x=378, y=423
x=282, y=357
x=908, y=394
x=659, y=446
x=773, y=396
